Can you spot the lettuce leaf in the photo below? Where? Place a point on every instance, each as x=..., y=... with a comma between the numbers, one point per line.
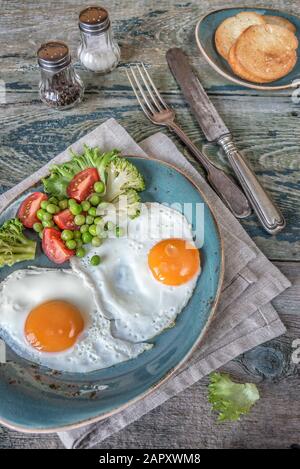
x=61, y=175
x=121, y=178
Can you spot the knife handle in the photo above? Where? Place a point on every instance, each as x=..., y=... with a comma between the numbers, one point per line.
x=269, y=215
x=224, y=185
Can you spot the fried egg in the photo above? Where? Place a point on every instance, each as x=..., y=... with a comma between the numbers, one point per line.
x=147, y=276
x=55, y=318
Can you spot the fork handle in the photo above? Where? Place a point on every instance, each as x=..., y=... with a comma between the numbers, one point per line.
x=223, y=184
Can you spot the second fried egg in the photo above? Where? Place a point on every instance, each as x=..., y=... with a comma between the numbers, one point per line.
x=146, y=277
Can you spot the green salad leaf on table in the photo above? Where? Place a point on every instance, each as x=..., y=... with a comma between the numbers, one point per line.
x=231, y=399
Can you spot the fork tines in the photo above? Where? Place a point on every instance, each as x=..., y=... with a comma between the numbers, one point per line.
x=145, y=90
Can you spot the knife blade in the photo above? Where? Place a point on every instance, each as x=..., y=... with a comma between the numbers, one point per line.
x=205, y=112
x=216, y=131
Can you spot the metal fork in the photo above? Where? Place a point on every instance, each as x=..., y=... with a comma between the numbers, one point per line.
x=159, y=113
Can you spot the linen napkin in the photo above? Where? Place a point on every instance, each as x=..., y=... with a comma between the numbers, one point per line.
x=244, y=318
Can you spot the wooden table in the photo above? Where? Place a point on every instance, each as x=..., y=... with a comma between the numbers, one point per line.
x=266, y=129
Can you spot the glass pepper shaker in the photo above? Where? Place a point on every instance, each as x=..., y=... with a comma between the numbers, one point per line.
x=98, y=51
x=60, y=86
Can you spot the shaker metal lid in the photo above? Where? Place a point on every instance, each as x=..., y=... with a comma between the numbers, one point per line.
x=94, y=20
x=54, y=55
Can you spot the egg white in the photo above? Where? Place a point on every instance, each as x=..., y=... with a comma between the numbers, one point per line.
x=96, y=347
x=140, y=306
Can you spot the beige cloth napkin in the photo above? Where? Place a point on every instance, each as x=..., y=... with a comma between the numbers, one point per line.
x=245, y=317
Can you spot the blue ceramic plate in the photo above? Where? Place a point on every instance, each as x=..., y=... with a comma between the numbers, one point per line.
x=205, y=37
x=36, y=399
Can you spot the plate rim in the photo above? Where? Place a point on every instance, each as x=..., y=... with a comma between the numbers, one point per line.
x=172, y=371
x=231, y=78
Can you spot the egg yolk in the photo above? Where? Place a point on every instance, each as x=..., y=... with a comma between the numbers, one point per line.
x=53, y=326
x=174, y=261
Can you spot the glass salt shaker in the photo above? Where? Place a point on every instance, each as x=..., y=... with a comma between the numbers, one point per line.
x=98, y=51
x=60, y=86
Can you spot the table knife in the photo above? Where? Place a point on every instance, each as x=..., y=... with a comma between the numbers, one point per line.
x=216, y=131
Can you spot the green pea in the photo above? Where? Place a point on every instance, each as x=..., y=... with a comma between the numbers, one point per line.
x=52, y=208
x=92, y=211
x=72, y=202
x=95, y=199
x=95, y=260
x=38, y=227
x=71, y=244
x=53, y=200
x=93, y=230
x=47, y=223
x=77, y=234
x=85, y=205
x=80, y=252
x=97, y=220
x=99, y=187
x=109, y=226
x=87, y=237
x=63, y=204
x=79, y=243
x=40, y=214
x=96, y=241
x=79, y=220
x=84, y=228
x=76, y=209
x=44, y=204
x=119, y=232
x=67, y=235
x=89, y=220
x=47, y=216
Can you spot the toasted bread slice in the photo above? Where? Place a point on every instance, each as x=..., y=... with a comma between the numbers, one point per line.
x=267, y=51
x=280, y=21
x=239, y=70
x=231, y=28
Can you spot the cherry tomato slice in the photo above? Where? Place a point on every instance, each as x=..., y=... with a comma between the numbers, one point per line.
x=65, y=220
x=29, y=207
x=82, y=185
x=54, y=247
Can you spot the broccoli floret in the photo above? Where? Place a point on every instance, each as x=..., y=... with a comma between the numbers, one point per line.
x=14, y=246
x=128, y=203
x=120, y=176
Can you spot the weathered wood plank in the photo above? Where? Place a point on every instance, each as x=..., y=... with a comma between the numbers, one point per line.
x=36, y=139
